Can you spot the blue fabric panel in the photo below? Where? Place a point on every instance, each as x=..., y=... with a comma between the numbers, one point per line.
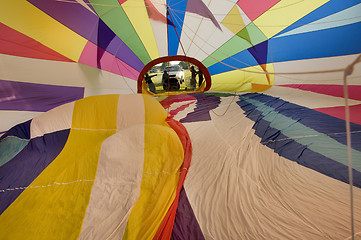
x=10, y=147
x=293, y=148
x=259, y=52
x=177, y=10
x=338, y=41
x=325, y=10
x=21, y=130
x=21, y=171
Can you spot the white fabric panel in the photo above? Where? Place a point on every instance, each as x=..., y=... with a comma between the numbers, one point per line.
x=312, y=65
x=209, y=38
x=104, y=91
x=160, y=28
x=117, y=185
x=59, y=73
x=131, y=111
x=56, y=119
x=307, y=98
x=240, y=189
x=11, y=118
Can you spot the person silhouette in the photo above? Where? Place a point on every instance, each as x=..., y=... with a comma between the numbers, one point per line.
x=193, y=78
x=149, y=82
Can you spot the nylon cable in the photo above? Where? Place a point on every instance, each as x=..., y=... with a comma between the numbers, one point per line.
x=348, y=71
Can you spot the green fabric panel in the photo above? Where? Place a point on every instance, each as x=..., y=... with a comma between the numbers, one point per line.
x=246, y=38
x=10, y=147
x=117, y=20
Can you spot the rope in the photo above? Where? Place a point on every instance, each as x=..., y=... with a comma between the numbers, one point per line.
x=348, y=71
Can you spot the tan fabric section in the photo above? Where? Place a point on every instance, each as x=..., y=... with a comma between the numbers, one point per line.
x=57, y=119
x=130, y=111
x=117, y=185
x=11, y=118
x=240, y=189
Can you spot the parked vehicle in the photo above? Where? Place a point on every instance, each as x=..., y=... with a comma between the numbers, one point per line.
x=172, y=77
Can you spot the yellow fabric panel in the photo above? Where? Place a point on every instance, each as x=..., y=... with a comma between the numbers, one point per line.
x=241, y=80
x=54, y=205
x=93, y=116
x=29, y=20
x=283, y=14
x=163, y=157
x=154, y=112
x=138, y=16
x=234, y=21
x=162, y=161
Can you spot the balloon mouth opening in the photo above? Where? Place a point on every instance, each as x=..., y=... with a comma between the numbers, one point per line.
x=173, y=75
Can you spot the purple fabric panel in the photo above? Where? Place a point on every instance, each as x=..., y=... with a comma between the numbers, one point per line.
x=205, y=103
x=28, y=164
x=259, y=52
x=198, y=7
x=185, y=223
x=88, y=25
x=35, y=97
x=21, y=130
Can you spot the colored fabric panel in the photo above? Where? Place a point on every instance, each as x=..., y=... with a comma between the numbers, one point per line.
x=18, y=173
x=60, y=194
x=56, y=119
x=198, y=7
x=248, y=37
x=116, y=19
x=21, y=131
x=329, y=8
x=345, y=17
x=87, y=24
x=254, y=9
x=283, y=14
x=175, y=16
x=159, y=182
x=339, y=41
x=163, y=158
x=229, y=158
x=70, y=44
x=117, y=186
x=201, y=112
x=186, y=225
x=339, y=112
x=10, y=147
x=332, y=90
x=106, y=61
x=330, y=126
x=234, y=21
x=36, y=97
x=165, y=229
x=15, y=43
x=299, y=143
x=250, y=76
x=138, y=16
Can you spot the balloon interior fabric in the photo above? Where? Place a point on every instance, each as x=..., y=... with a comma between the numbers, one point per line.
x=271, y=151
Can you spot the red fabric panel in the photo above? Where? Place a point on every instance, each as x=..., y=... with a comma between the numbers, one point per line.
x=339, y=112
x=15, y=43
x=165, y=229
x=330, y=90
